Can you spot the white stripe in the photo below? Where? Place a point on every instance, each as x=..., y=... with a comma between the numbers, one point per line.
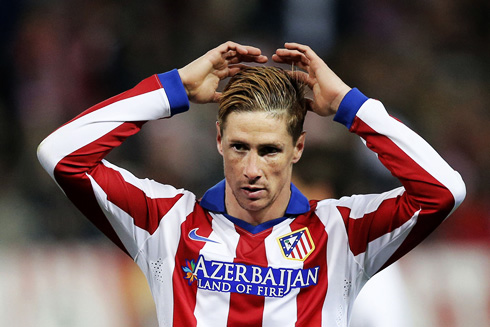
x=123, y=224
x=150, y=188
x=280, y=311
x=145, y=249
x=381, y=249
x=132, y=237
x=163, y=244
x=360, y=205
x=301, y=249
x=295, y=253
x=374, y=114
x=306, y=243
x=212, y=307
x=88, y=128
x=345, y=276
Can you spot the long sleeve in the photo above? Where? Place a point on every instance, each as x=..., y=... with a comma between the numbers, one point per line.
x=73, y=155
x=382, y=228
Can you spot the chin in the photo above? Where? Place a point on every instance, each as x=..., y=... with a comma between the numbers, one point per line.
x=252, y=206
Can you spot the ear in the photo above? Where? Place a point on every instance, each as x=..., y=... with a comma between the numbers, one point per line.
x=219, y=138
x=299, y=147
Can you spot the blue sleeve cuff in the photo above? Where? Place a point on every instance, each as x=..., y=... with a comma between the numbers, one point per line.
x=349, y=107
x=176, y=94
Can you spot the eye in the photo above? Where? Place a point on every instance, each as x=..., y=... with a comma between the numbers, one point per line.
x=239, y=147
x=269, y=150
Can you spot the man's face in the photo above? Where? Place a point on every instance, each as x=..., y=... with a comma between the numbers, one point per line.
x=258, y=154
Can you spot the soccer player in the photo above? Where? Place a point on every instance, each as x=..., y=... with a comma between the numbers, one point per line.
x=253, y=251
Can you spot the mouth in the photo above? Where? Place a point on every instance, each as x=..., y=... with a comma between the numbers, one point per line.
x=253, y=191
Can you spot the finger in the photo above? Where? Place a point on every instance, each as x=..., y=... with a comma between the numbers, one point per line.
x=228, y=55
x=239, y=48
x=298, y=47
x=227, y=51
x=280, y=60
x=290, y=56
x=301, y=76
x=247, y=58
x=295, y=45
x=248, y=50
x=216, y=97
x=310, y=104
x=290, y=53
x=304, y=49
x=246, y=53
x=230, y=71
x=234, y=69
x=227, y=46
x=302, y=63
x=304, y=78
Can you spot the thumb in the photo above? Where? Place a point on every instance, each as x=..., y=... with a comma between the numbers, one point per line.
x=310, y=104
x=216, y=97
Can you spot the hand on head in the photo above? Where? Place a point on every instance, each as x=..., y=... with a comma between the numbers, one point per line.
x=201, y=77
x=328, y=89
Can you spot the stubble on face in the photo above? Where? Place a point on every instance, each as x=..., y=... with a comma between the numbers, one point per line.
x=258, y=155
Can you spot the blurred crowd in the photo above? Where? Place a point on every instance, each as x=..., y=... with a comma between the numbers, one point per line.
x=428, y=61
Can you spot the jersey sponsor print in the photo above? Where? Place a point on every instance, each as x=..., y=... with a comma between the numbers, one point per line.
x=241, y=278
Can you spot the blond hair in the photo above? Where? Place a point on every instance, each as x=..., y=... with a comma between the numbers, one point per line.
x=267, y=89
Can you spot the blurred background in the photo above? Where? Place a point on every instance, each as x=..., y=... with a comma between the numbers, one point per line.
x=428, y=61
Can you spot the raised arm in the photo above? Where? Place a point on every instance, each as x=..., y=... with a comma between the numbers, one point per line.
x=382, y=227
x=128, y=209
x=73, y=155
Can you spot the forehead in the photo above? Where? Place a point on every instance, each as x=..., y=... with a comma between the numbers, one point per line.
x=256, y=126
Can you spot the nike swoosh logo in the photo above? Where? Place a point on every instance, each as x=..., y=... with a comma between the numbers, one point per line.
x=193, y=236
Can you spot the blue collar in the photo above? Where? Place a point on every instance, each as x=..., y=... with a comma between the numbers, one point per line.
x=214, y=200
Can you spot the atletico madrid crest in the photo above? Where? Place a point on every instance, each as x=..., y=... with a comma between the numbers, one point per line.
x=297, y=245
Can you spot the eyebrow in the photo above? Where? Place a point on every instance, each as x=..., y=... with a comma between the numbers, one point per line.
x=268, y=144
x=273, y=145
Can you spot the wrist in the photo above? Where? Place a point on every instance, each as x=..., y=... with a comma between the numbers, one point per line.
x=175, y=91
x=183, y=78
x=340, y=96
x=349, y=106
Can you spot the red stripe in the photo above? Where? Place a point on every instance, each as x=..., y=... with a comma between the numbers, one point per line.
x=311, y=243
x=308, y=241
x=310, y=299
x=423, y=191
x=184, y=295
x=445, y=314
x=373, y=225
x=146, y=212
x=303, y=247
x=70, y=175
x=246, y=309
x=78, y=189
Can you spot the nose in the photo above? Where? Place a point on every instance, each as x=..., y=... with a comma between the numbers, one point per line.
x=252, y=170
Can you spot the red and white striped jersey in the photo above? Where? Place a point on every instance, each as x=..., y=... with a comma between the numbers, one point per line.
x=206, y=268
